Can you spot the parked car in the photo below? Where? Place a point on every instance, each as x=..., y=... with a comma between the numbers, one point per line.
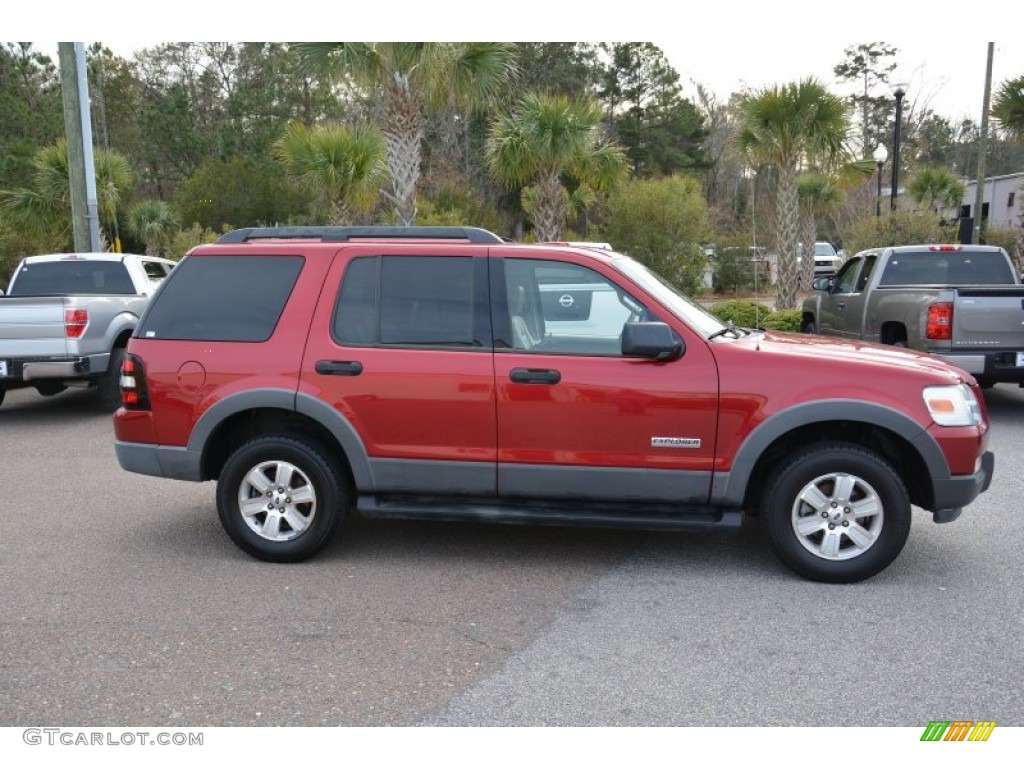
x=66, y=319
x=441, y=373
x=826, y=259
x=963, y=303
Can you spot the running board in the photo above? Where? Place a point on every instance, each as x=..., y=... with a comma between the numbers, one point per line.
x=580, y=514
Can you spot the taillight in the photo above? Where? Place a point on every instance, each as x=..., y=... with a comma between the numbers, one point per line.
x=940, y=321
x=134, y=393
x=75, y=322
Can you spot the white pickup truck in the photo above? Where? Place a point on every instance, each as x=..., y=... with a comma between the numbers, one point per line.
x=66, y=319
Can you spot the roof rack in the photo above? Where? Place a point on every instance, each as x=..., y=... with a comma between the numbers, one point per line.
x=344, y=234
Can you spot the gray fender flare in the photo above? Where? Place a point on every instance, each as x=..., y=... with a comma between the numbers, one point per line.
x=287, y=400
x=729, y=488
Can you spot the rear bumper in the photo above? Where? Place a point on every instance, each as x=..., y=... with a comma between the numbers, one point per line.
x=990, y=366
x=29, y=369
x=954, y=493
x=174, y=462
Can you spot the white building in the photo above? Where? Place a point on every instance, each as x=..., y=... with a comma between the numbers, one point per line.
x=1003, y=200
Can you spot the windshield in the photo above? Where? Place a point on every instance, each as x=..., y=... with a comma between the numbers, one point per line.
x=695, y=316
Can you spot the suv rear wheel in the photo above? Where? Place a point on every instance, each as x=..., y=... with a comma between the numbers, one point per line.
x=836, y=513
x=280, y=499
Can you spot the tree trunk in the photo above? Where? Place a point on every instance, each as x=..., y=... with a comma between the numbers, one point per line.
x=403, y=135
x=808, y=234
x=787, y=207
x=549, y=206
x=340, y=214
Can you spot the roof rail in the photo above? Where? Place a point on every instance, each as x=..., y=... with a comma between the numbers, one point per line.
x=344, y=234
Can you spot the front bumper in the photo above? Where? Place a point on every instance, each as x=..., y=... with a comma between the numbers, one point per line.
x=954, y=493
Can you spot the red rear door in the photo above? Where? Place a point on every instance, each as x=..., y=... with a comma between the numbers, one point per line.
x=400, y=348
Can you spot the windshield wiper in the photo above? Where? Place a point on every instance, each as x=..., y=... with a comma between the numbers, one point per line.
x=729, y=329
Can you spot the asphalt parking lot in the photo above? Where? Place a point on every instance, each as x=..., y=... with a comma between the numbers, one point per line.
x=124, y=603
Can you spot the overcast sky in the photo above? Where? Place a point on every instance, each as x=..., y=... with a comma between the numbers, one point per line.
x=950, y=82
x=725, y=46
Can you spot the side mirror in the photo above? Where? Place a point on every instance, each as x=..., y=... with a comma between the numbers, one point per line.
x=652, y=341
x=823, y=283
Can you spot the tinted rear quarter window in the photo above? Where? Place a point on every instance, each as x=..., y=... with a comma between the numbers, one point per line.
x=73, y=277
x=222, y=298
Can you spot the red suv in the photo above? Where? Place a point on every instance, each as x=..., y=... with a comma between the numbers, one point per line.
x=444, y=373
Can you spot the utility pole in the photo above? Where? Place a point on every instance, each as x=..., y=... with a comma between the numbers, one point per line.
x=78, y=131
x=979, y=192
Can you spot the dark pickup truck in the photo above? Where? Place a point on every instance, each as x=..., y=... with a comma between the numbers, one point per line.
x=964, y=303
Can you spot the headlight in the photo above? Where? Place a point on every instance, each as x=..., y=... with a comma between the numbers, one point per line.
x=953, y=406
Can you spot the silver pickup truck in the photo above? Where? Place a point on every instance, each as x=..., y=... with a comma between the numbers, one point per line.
x=66, y=319
x=964, y=303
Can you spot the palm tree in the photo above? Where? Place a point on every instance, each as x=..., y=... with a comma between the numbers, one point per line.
x=1008, y=107
x=787, y=128
x=345, y=167
x=938, y=188
x=408, y=77
x=154, y=223
x=46, y=206
x=544, y=137
x=819, y=195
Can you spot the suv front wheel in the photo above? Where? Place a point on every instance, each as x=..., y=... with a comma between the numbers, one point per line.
x=280, y=499
x=836, y=513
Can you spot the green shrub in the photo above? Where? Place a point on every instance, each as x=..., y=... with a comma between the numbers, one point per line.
x=783, y=320
x=733, y=271
x=897, y=228
x=661, y=223
x=752, y=314
x=742, y=312
x=1007, y=239
x=448, y=208
x=187, y=239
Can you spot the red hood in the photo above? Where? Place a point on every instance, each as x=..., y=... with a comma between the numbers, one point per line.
x=838, y=350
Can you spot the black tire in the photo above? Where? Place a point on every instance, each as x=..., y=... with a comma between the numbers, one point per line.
x=277, y=527
x=810, y=327
x=840, y=544
x=108, y=387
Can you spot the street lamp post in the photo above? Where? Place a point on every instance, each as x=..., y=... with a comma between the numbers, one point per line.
x=899, y=90
x=880, y=155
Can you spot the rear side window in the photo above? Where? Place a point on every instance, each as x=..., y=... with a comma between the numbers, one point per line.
x=407, y=301
x=222, y=298
x=155, y=270
x=947, y=268
x=73, y=277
